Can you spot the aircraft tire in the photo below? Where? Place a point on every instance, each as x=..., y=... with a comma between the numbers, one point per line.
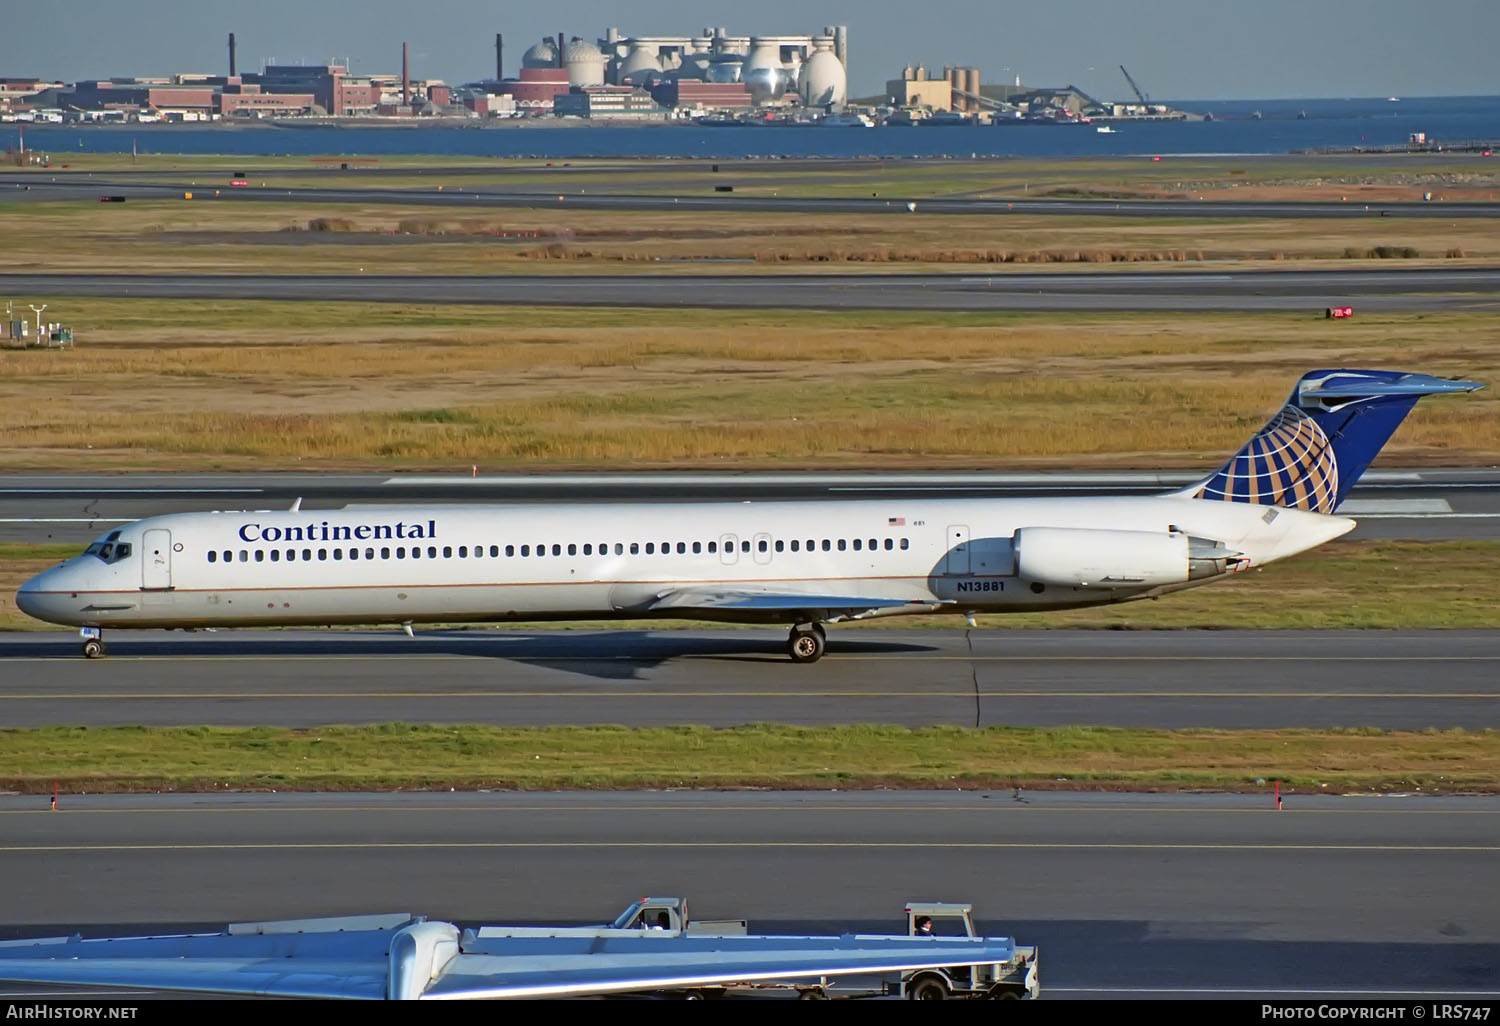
x=806, y=646
x=93, y=649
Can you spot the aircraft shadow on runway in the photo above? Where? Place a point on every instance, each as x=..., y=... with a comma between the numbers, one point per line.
x=609, y=655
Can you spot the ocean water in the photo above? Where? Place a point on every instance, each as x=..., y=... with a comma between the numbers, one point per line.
x=1329, y=124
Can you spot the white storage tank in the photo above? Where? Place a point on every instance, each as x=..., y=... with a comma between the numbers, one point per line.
x=585, y=63
x=763, y=71
x=823, y=79
x=641, y=63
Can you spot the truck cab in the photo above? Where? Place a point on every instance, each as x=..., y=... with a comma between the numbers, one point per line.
x=671, y=915
x=1007, y=980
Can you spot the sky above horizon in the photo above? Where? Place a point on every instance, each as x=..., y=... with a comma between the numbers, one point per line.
x=1175, y=49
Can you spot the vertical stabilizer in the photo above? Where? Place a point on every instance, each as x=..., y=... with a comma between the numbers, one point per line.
x=1314, y=450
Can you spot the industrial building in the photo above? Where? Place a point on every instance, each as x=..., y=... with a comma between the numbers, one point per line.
x=712, y=70
x=606, y=101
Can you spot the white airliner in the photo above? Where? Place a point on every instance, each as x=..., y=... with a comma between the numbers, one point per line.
x=798, y=563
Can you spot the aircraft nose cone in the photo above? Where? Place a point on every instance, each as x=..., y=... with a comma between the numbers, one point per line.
x=41, y=597
x=30, y=601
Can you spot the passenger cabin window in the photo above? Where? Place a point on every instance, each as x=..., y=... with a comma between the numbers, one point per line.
x=856, y=545
x=905, y=543
x=635, y=548
x=212, y=556
x=713, y=547
x=697, y=548
x=650, y=548
x=841, y=545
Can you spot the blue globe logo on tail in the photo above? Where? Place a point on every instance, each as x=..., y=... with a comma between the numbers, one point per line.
x=1290, y=462
x=1312, y=452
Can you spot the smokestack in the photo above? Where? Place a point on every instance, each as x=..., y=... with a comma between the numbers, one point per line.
x=561, y=45
x=405, y=74
x=499, y=57
x=231, y=55
x=841, y=45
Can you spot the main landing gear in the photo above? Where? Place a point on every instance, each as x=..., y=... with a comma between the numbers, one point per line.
x=93, y=643
x=807, y=643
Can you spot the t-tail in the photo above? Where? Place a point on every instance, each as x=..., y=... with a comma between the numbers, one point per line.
x=1312, y=452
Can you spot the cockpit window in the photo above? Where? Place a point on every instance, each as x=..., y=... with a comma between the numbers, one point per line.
x=109, y=550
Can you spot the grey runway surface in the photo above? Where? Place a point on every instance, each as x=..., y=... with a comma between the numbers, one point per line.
x=34, y=187
x=1427, y=504
x=1408, y=680
x=1388, y=291
x=1125, y=895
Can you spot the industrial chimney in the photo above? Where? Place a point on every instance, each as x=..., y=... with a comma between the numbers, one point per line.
x=231, y=55
x=405, y=75
x=562, y=45
x=499, y=57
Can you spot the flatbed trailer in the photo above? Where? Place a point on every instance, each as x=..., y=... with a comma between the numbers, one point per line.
x=1015, y=977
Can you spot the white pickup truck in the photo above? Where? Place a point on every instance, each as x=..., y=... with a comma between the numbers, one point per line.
x=671, y=914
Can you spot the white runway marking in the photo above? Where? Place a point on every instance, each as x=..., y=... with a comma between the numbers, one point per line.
x=1368, y=507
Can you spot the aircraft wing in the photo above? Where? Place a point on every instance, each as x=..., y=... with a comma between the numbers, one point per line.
x=718, y=601
x=317, y=958
x=373, y=957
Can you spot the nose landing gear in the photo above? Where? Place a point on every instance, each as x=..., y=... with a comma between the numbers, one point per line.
x=93, y=643
x=807, y=643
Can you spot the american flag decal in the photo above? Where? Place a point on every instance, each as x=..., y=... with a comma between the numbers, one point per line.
x=896, y=522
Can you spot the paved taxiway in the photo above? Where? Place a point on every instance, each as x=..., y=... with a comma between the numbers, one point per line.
x=1421, y=504
x=1407, y=680
x=1386, y=291
x=1124, y=894
x=702, y=195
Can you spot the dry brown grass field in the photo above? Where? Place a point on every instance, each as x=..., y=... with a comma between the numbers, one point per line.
x=205, y=236
x=240, y=385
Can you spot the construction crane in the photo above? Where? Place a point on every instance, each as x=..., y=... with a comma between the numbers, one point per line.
x=1145, y=100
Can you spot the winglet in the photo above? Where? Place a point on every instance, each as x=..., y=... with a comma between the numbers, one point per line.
x=296, y=506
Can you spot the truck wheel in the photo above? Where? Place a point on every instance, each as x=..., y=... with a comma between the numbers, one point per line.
x=928, y=988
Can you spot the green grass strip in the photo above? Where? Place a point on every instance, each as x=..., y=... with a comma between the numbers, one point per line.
x=400, y=756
